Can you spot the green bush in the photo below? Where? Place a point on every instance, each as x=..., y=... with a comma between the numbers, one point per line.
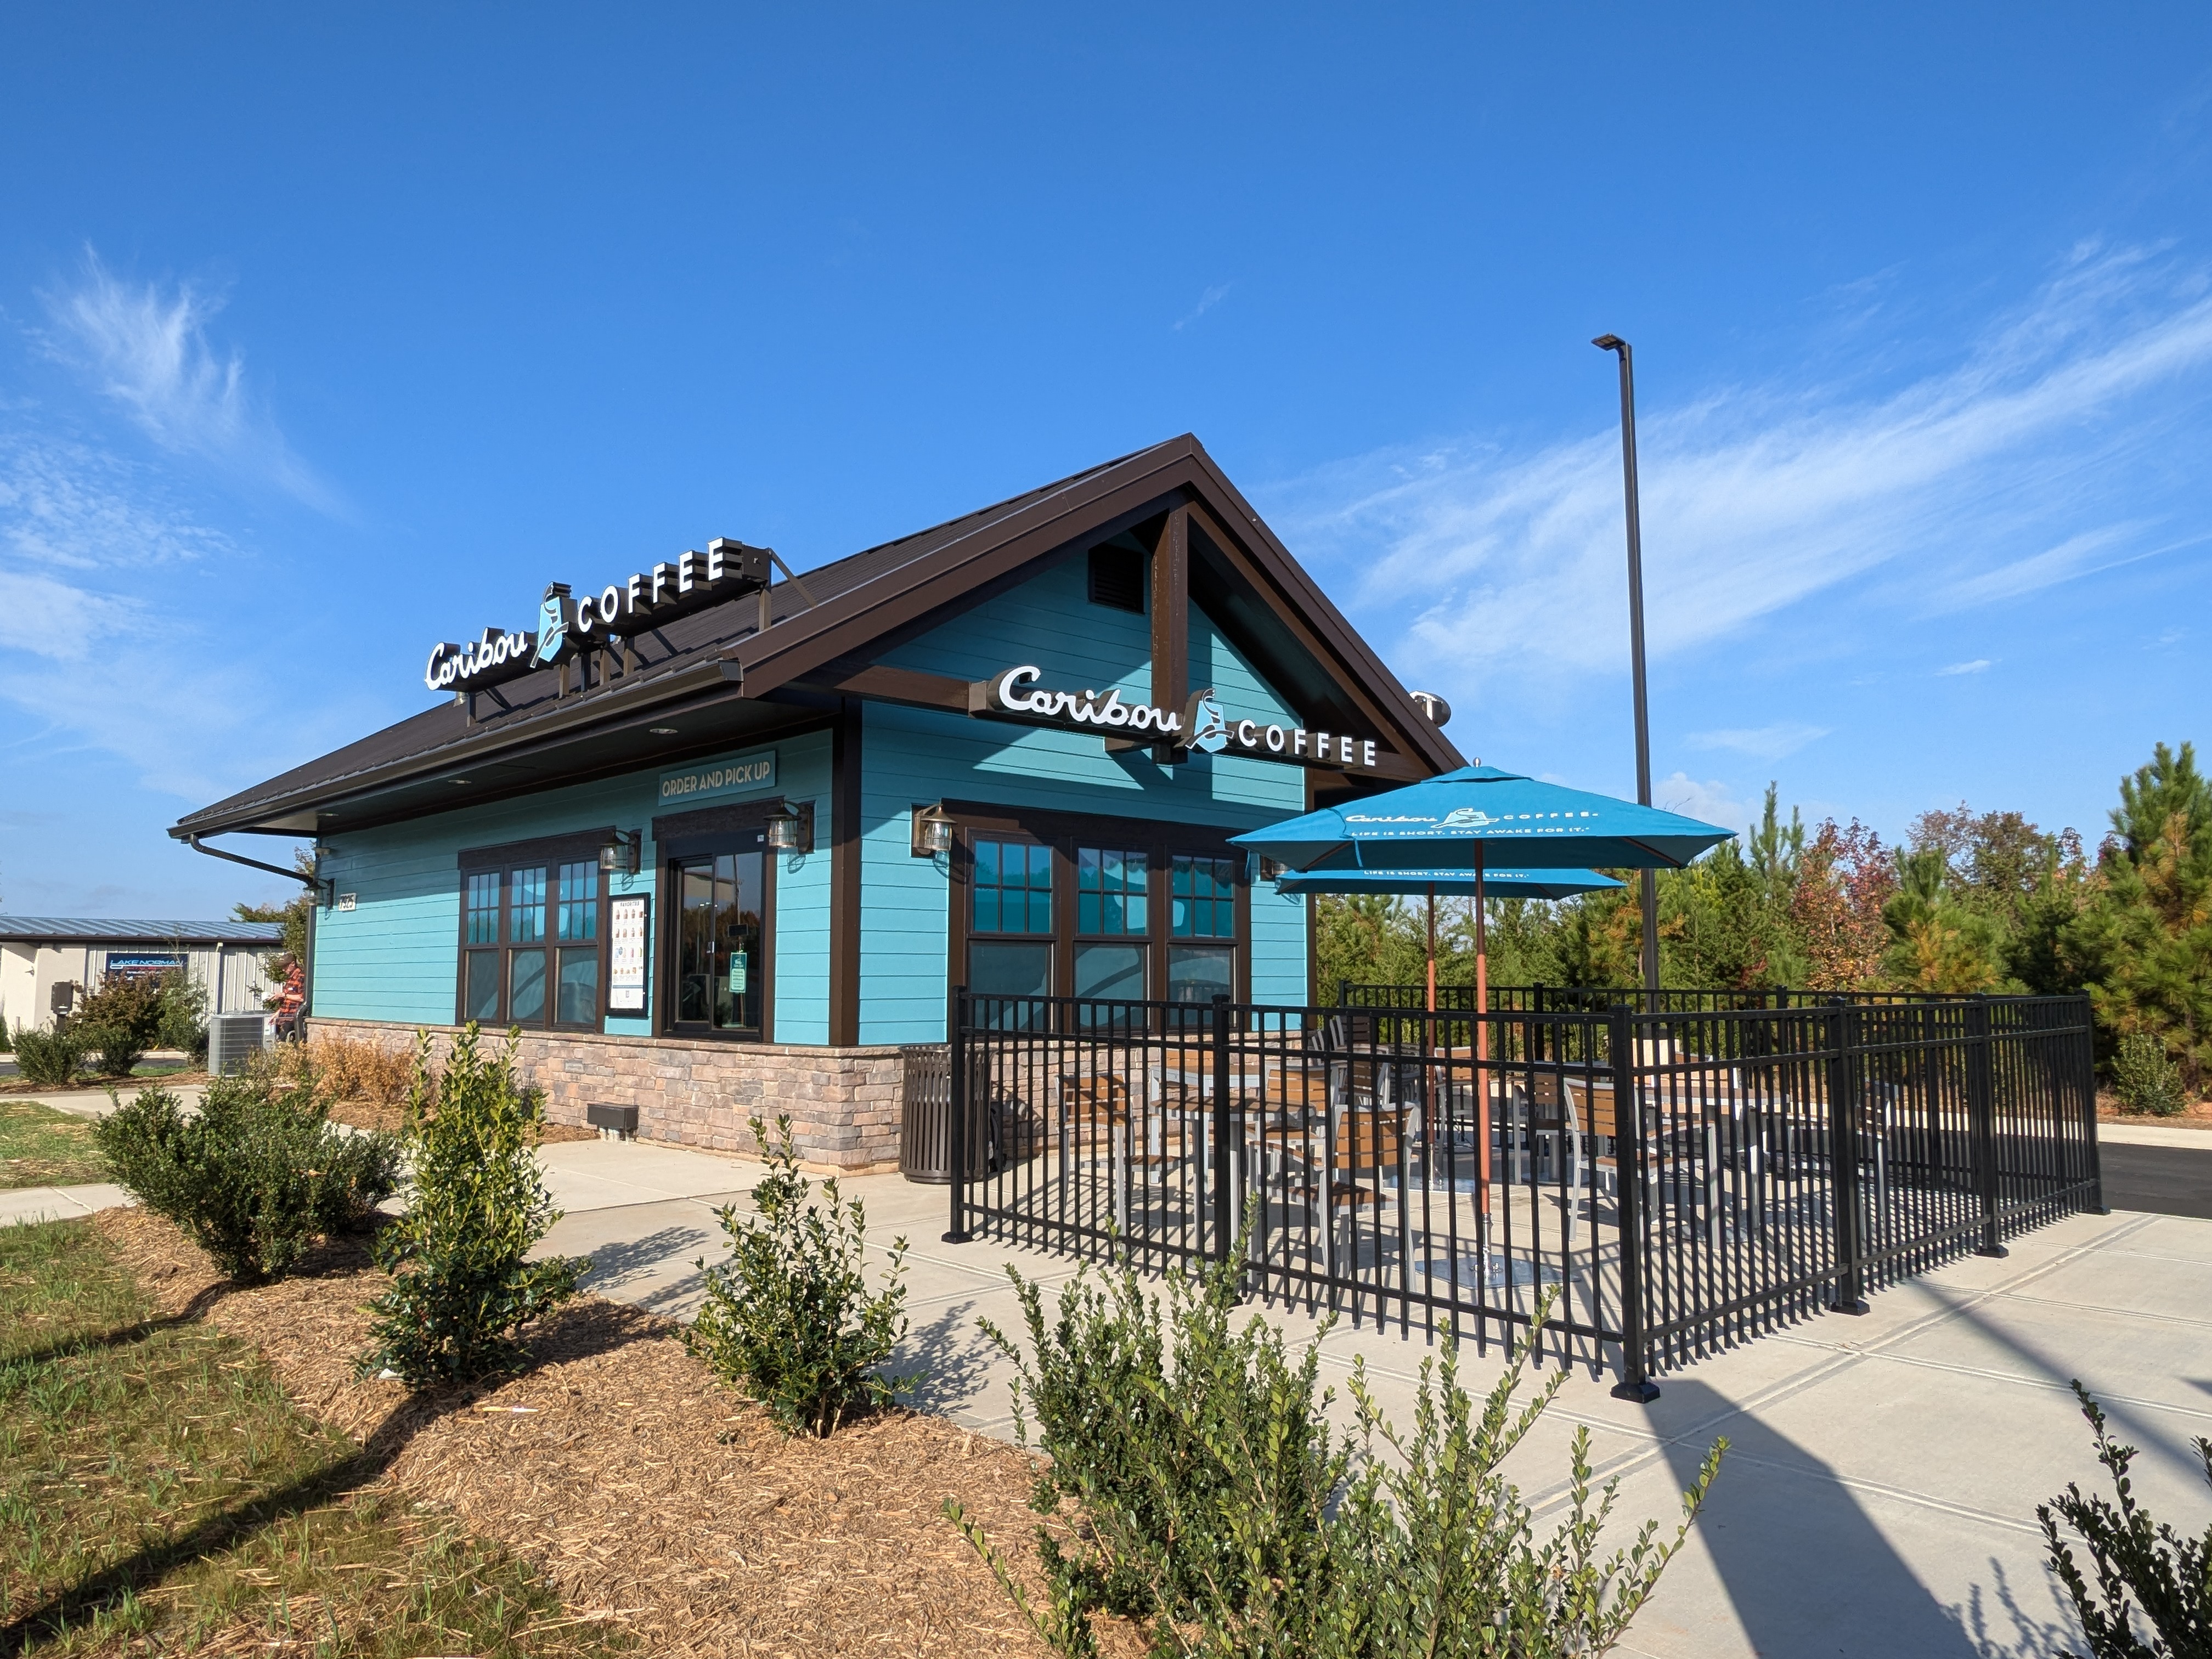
x=2144, y=1079
x=255, y=1177
x=1194, y=1485
x=120, y=1021
x=461, y=1285
x=183, y=1024
x=2146, y=1573
x=51, y=1059
x=789, y=1318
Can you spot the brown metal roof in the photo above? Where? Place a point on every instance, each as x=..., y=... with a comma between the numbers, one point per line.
x=833, y=615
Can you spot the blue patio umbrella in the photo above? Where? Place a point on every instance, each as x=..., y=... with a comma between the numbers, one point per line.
x=1480, y=815
x=1452, y=884
x=1461, y=822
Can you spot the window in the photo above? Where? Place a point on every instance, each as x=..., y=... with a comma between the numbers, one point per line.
x=1203, y=900
x=1012, y=896
x=1098, y=909
x=1117, y=577
x=1112, y=894
x=529, y=944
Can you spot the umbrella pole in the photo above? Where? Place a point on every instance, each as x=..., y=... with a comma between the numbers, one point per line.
x=1432, y=947
x=1481, y=1039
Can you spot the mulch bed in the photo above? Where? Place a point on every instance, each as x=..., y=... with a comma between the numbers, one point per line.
x=643, y=1490
x=2196, y=1116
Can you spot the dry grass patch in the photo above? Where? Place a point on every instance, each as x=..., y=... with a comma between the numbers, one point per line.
x=42, y=1147
x=638, y=1485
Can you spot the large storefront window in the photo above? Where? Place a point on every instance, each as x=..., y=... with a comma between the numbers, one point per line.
x=530, y=952
x=1079, y=908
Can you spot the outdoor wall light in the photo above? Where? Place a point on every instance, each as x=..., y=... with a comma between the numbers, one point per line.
x=933, y=832
x=791, y=828
x=1270, y=869
x=621, y=856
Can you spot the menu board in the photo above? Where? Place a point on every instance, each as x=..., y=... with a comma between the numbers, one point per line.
x=626, y=937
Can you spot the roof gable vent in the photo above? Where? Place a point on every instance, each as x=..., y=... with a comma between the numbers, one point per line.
x=1117, y=578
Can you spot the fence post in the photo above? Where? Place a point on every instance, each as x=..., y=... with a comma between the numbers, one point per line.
x=1628, y=1206
x=1225, y=1218
x=1982, y=1114
x=957, y=1096
x=1844, y=1105
x=2085, y=1047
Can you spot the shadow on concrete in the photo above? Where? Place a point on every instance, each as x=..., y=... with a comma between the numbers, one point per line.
x=953, y=1355
x=2030, y=1637
x=1803, y=1565
x=616, y=1265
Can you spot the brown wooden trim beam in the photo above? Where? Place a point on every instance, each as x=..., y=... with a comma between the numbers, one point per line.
x=845, y=848
x=1171, y=609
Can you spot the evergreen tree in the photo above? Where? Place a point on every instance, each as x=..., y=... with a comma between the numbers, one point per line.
x=1937, y=943
x=2144, y=941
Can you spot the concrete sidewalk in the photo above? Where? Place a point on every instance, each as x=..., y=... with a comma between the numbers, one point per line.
x=1879, y=1495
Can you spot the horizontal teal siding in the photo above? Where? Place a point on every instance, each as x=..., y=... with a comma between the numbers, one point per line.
x=915, y=756
x=396, y=955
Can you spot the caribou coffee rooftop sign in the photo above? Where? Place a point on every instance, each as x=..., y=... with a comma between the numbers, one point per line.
x=567, y=626
x=1201, y=726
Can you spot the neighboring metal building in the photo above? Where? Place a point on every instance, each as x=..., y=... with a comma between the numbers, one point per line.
x=46, y=962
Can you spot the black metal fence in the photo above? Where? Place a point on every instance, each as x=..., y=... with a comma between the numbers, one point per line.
x=1682, y=1179
x=1596, y=998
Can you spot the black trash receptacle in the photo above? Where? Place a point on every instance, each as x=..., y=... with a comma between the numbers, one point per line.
x=925, y=1117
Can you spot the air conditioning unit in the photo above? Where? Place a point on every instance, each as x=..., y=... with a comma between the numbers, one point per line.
x=232, y=1038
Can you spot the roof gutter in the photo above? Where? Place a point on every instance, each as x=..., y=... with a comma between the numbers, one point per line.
x=311, y=882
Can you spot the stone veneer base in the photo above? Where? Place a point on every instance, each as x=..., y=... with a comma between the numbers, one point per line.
x=844, y=1102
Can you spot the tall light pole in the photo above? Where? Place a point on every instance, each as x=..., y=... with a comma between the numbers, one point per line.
x=1614, y=344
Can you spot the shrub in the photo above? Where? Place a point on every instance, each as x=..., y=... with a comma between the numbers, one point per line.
x=255, y=1177
x=183, y=1024
x=2146, y=1573
x=1196, y=1486
x=352, y=1068
x=789, y=1317
x=461, y=1286
x=2144, y=1079
x=120, y=1021
x=51, y=1059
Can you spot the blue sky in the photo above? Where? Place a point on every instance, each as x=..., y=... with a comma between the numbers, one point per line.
x=326, y=334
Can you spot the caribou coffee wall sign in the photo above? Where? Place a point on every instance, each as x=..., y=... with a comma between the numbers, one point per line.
x=567, y=625
x=1202, y=727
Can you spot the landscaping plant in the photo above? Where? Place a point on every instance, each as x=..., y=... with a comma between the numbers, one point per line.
x=789, y=1318
x=461, y=1285
x=51, y=1059
x=1195, y=1486
x=2144, y=1079
x=120, y=1021
x=255, y=1177
x=2146, y=1573
x=183, y=1025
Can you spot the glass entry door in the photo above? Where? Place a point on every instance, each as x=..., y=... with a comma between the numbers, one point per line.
x=721, y=965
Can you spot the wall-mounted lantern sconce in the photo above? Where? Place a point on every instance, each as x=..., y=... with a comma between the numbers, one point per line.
x=1270, y=869
x=791, y=828
x=621, y=856
x=933, y=832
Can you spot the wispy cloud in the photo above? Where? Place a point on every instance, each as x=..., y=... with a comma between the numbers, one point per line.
x=1768, y=743
x=1206, y=302
x=1712, y=801
x=145, y=347
x=94, y=661
x=1980, y=665
x=1757, y=497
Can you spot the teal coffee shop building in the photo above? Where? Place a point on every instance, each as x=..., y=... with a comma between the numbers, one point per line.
x=721, y=839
